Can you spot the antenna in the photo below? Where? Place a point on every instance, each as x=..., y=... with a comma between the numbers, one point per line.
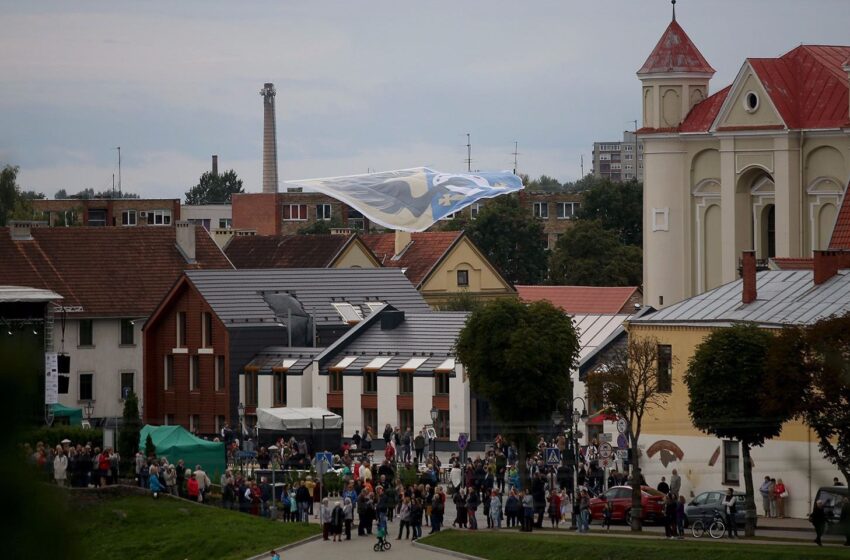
x=113, y=185
x=515, y=154
x=468, y=153
x=119, y=171
x=582, y=165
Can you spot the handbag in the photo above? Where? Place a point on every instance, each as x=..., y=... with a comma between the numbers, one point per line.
x=784, y=494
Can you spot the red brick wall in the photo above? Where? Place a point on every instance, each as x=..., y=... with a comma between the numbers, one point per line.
x=258, y=211
x=160, y=339
x=113, y=208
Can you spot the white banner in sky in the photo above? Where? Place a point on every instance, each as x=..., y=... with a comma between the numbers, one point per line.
x=51, y=378
x=412, y=199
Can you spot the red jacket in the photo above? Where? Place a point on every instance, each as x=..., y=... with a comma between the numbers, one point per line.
x=192, y=488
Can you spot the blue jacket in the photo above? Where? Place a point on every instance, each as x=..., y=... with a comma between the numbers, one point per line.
x=155, y=485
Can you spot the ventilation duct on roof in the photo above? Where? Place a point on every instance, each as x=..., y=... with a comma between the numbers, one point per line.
x=289, y=311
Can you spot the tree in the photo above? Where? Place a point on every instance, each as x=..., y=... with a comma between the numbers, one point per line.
x=14, y=204
x=819, y=359
x=512, y=239
x=617, y=206
x=544, y=183
x=215, y=188
x=587, y=254
x=128, y=435
x=521, y=368
x=629, y=386
x=733, y=394
x=150, y=448
x=321, y=227
x=461, y=301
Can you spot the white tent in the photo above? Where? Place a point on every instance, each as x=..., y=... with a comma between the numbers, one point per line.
x=288, y=419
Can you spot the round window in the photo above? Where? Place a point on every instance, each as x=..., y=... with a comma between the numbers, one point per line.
x=751, y=101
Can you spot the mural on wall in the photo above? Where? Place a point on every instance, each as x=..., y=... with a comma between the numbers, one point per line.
x=667, y=451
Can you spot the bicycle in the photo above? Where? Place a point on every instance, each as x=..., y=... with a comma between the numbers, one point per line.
x=716, y=529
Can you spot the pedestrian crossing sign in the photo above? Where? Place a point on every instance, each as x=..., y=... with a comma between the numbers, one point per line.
x=553, y=456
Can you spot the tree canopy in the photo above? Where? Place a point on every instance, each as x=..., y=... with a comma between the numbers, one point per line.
x=512, y=239
x=128, y=435
x=14, y=203
x=89, y=193
x=522, y=367
x=215, y=189
x=617, y=207
x=588, y=254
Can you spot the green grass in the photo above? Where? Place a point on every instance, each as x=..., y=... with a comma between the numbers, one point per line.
x=139, y=527
x=510, y=546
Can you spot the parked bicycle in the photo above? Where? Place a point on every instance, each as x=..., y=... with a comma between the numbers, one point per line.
x=716, y=528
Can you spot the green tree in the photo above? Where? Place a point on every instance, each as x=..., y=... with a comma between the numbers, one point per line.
x=512, y=239
x=215, y=189
x=587, y=254
x=14, y=204
x=617, y=206
x=150, y=448
x=733, y=395
x=461, y=301
x=321, y=227
x=128, y=435
x=543, y=183
x=629, y=386
x=521, y=368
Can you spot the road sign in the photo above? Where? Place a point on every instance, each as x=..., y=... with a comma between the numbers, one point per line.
x=606, y=437
x=622, y=425
x=462, y=441
x=623, y=454
x=324, y=462
x=604, y=463
x=621, y=440
x=553, y=456
x=431, y=433
x=605, y=450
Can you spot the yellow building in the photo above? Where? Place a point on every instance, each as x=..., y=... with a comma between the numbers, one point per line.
x=760, y=164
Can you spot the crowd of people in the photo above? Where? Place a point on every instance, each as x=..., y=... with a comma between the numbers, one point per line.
x=78, y=466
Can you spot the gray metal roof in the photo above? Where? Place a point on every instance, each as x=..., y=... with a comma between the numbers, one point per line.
x=236, y=296
x=272, y=356
x=784, y=297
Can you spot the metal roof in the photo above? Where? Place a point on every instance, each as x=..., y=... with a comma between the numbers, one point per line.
x=236, y=296
x=593, y=330
x=297, y=359
x=10, y=294
x=784, y=297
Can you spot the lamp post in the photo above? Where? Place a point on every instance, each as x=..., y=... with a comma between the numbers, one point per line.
x=558, y=417
x=241, y=410
x=88, y=411
x=434, y=414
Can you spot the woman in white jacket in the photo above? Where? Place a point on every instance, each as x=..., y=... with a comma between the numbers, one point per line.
x=60, y=466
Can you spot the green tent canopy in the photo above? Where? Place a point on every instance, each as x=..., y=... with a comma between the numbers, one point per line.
x=74, y=415
x=176, y=443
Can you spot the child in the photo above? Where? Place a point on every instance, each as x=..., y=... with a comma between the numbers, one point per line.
x=606, y=517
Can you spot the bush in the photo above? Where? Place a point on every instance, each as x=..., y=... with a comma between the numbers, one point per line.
x=55, y=434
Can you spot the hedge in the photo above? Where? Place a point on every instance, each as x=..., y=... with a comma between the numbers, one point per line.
x=55, y=434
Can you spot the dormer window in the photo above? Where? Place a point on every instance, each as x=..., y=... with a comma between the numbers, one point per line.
x=751, y=102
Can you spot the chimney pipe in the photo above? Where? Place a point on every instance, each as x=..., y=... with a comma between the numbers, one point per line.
x=269, y=139
x=402, y=240
x=215, y=166
x=828, y=263
x=749, y=276
x=185, y=234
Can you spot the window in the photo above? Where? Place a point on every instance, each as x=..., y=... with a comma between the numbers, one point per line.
x=181, y=329
x=567, y=210
x=474, y=209
x=628, y=157
x=604, y=157
x=97, y=217
x=295, y=212
x=219, y=423
x=405, y=420
x=194, y=373
x=279, y=395
x=463, y=278
x=220, y=377
x=405, y=383
x=127, y=332
x=731, y=462
x=665, y=368
x=751, y=102
x=86, y=386
x=225, y=223
x=335, y=381
x=194, y=423
x=168, y=370
x=169, y=420
x=206, y=330
x=86, y=332
x=442, y=426
x=370, y=382
x=323, y=211
x=64, y=383
x=441, y=383
x=370, y=420
x=159, y=217
x=348, y=312
x=250, y=388
x=541, y=210
x=128, y=218
x=356, y=219
x=450, y=216
x=127, y=385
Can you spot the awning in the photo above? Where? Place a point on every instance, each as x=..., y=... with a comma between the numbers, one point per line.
x=289, y=418
x=284, y=365
x=376, y=364
x=412, y=365
x=599, y=417
x=448, y=366
x=343, y=363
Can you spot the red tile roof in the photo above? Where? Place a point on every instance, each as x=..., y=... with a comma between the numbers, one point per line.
x=793, y=263
x=285, y=251
x=582, y=300
x=675, y=52
x=426, y=249
x=699, y=118
x=108, y=271
x=841, y=231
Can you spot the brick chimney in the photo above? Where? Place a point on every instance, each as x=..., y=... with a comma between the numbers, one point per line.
x=402, y=240
x=185, y=233
x=269, y=139
x=215, y=166
x=21, y=230
x=828, y=263
x=748, y=274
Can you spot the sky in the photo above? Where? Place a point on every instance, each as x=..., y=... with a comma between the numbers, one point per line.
x=365, y=85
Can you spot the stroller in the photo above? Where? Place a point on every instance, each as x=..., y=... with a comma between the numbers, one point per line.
x=383, y=544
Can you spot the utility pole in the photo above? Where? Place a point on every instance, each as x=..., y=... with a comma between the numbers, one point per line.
x=516, y=153
x=582, y=165
x=468, y=153
x=635, y=121
x=119, y=171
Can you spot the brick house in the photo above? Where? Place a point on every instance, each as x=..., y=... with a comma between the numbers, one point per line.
x=287, y=212
x=126, y=212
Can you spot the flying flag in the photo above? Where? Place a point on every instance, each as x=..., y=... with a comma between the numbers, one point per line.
x=412, y=199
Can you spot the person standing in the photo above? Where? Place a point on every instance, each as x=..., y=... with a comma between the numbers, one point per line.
x=496, y=510
x=780, y=493
x=730, y=506
x=348, y=517
x=584, y=512
x=404, y=518
x=844, y=520
x=419, y=446
x=416, y=518
x=325, y=518
x=675, y=483
x=406, y=442
x=765, y=490
x=337, y=521
x=527, y=511
x=670, y=506
x=472, y=508
x=60, y=466
x=772, y=496
x=663, y=487
x=680, y=518
x=818, y=519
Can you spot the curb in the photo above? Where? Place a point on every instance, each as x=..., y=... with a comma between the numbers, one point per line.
x=265, y=555
x=447, y=552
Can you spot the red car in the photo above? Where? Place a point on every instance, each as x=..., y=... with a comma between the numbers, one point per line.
x=620, y=498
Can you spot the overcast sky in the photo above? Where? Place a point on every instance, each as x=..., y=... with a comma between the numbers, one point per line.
x=361, y=85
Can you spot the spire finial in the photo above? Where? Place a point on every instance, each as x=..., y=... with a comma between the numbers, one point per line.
x=674, y=9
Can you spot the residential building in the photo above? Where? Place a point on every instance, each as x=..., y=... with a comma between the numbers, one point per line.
x=555, y=210
x=760, y=164
x=772, y=300
x=300, y=251
x=110, y=279
x=212, y=323
x=272, y=213
x=209, y=216
x=125, y=212
x=619, y=161
x=440, y=264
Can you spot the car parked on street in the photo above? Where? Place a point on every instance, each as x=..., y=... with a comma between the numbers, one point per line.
x=620, y=499
x=704, y=504
x=832, y=498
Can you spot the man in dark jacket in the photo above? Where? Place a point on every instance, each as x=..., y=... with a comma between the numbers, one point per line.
x=538, y=492
x=303, y=499
x=818, y=519
x=419, y=446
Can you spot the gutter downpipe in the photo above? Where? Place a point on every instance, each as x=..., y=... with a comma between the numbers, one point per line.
x=803, y=192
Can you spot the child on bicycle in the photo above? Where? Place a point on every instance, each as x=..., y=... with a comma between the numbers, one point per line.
x=382, y=537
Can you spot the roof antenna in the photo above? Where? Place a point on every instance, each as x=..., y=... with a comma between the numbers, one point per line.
x=674, y=9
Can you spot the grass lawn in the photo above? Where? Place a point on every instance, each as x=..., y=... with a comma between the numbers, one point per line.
x=511, y=545
x=139, y=527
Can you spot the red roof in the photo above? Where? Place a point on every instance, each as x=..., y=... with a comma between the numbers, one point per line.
x=841, y=231
x=675, y=52
x=425, y=250
x=108, y=271
x=582, y=300
x=285, y=251
x=699, y=119
x=787, y=263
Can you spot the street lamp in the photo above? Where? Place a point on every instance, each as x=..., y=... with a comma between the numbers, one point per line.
x=241, y=410
x=434, y=414
x=576, y=416
x=273, y=451
x=88, y=410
